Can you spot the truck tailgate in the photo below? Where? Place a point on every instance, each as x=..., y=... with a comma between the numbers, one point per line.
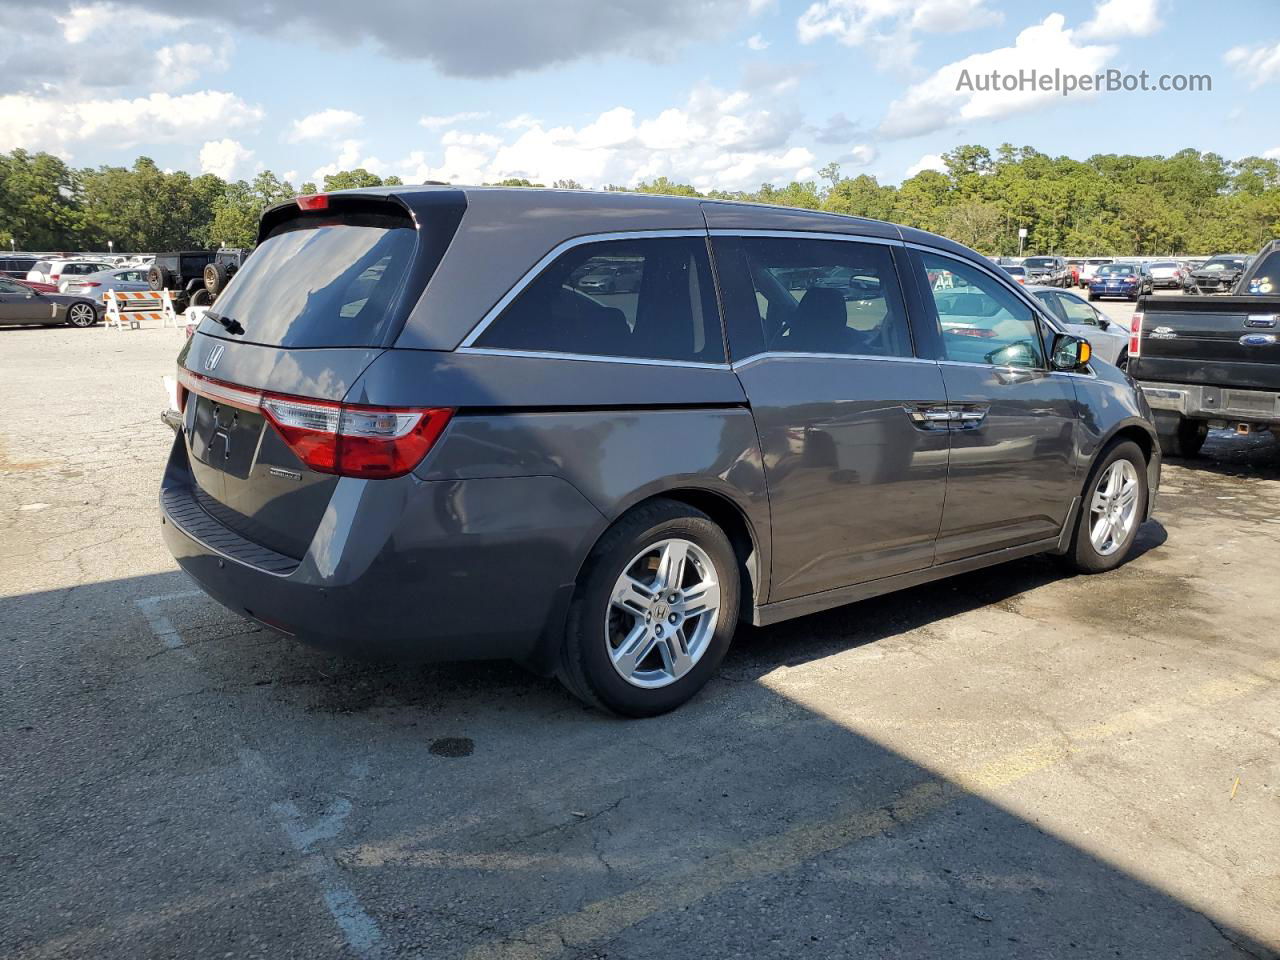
x=1217, y=341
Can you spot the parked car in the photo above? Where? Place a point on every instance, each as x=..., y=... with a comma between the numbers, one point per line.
x=182, y=272
x=53, y=271
x=1165, y=274
x=1018, y=273
x=1110, y=341
x=1219, y=274
x=38, y=287
x=1212, y=360
x=96, y=285
x=468, y=457
x=19, y=304
x=611, y=278
x=1127, y=281
x=15, y=266
x=1089, y=267
x=1050, y=271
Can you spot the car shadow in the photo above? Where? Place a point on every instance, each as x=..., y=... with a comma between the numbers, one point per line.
x=480, y=812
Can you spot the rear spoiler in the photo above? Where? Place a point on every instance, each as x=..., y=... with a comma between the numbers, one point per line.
x=446, y=208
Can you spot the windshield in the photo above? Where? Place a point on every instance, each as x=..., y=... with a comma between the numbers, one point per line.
x=1015, y=271
x=325, y=283
x=1224, y=263
x=1038, y=262
x=1116, y=270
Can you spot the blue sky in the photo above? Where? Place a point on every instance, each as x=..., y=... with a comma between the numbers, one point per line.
x=722, y=93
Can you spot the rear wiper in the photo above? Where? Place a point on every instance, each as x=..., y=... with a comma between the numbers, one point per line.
x=229, y=324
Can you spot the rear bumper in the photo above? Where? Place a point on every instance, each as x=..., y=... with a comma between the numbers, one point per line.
x=403, y=569
x=1199, y=402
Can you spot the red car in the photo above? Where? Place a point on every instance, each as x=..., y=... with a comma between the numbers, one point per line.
x=36, y=286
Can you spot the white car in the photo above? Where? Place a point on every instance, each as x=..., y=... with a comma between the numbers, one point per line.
x=55, y=271
x=1078, y=317
x=1090, y=266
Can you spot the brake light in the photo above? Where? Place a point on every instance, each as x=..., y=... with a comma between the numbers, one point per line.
x=350, y=440
x=314, y=201
x=90, y=283
x=1135, y=335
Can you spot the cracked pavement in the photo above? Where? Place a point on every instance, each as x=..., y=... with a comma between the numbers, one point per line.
x=1014, y=763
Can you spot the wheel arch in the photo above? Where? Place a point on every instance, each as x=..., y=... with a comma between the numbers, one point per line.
x=1144, y=435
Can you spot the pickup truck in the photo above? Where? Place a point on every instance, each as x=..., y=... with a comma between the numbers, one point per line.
x=1206, y=361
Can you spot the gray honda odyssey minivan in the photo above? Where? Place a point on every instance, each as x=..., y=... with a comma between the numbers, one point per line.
x=594, y=432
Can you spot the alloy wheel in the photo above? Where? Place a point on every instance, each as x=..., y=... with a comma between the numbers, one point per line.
x=662, y=613
x=1113, y=511
x=81, y=315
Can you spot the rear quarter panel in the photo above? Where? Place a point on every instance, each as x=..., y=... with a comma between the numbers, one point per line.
x=619, y=433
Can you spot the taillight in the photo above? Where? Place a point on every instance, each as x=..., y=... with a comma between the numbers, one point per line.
x=313, y=201
x=350, y=440
x=90, y=283
x=1135, y=335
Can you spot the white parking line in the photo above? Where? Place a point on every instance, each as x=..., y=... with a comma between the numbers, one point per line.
x=359, y=929
x=160, y=625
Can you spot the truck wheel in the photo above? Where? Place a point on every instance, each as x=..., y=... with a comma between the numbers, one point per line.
x=159, y=278
x=215, y=278
x=201, y=298
x=655, y=608
x=1112, y=508
x=1185, y=440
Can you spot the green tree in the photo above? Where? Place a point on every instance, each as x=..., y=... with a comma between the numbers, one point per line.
x=352, y=179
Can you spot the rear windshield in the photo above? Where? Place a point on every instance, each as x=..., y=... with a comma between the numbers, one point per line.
x=1116, y=270
x=320, y=283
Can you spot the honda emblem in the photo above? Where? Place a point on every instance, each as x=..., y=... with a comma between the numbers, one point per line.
x=214, y=356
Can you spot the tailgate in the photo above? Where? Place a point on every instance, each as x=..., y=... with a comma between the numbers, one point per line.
x=243, y=473
x=1219, y=341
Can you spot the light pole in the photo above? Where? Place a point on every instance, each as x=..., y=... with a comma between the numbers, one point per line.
x=1022, y=236
x=111, y=247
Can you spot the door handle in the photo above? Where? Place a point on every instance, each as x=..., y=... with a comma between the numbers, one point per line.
x=931, y=416
x=959, y=416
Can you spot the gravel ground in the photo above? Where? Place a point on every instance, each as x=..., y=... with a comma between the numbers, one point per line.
x=1014, y=763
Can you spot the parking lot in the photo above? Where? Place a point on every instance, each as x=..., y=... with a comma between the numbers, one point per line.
x=1014, y=763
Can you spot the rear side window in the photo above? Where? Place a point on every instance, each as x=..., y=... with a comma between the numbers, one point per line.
x=322, y=282
x=649, y=298
x=1266, y=279
x=827, y=296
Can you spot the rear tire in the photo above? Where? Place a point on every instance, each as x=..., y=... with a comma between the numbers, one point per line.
x=1185, y=439
x=1112, y=509
x=82, y=314
x=626, y=657
x=215, y=278
x=159, y=278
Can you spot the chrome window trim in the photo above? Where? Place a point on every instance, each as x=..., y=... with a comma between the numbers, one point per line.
x=589, y=357
x=806, y=235
x=789, y=354
x=564, y=246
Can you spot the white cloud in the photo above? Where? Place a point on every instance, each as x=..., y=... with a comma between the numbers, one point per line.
x=854, y=22
x=757, y=42
x=55, y=123
x=935, y=103
x=349, y=158
x=448, y=120
x=82, y=21
x=181, y=64
x=860, y=155
x=225, y=158
x=1272, y=154
x=521, y=122
x=1259, y=65
x=717, y=139
x=930, y=161
x=289, y=176
x=1122, y=18
x=323, y=125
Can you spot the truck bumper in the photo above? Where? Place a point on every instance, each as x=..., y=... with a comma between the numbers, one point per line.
x=1228, y=404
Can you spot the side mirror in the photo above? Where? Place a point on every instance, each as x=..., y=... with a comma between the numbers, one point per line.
x=1070, y=353
x=1103, y=322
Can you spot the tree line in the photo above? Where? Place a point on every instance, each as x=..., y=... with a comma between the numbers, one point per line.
x=1109, y=204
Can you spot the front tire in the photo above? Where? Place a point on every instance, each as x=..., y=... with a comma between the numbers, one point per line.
x=654, y=612
x=1112, y=508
